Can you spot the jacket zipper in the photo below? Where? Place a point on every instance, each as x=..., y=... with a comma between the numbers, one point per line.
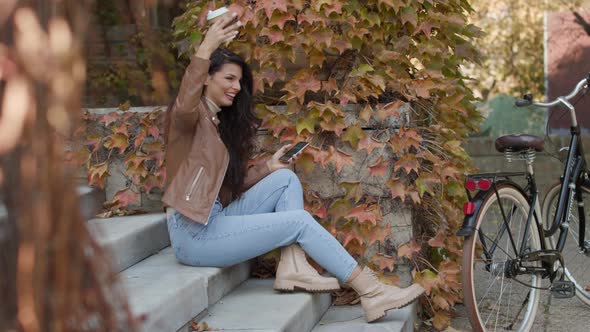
x=194, y=184
x=218, y=188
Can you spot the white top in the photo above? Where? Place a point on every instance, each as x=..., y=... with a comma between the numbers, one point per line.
x=217, y=12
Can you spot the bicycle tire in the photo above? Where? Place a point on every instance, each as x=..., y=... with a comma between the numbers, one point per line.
x=474, y=272
x=577, y=269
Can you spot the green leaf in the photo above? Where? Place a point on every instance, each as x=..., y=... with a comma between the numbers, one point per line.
x=353, y=135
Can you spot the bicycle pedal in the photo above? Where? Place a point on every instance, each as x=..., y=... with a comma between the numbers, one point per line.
x=562, y=289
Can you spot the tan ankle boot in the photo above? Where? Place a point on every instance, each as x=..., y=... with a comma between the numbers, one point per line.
x=377, y=297
x=295, y=272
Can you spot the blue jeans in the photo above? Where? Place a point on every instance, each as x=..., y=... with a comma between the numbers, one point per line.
x=267, y=216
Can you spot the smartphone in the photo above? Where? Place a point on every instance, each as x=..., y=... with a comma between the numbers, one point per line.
x=292, y=151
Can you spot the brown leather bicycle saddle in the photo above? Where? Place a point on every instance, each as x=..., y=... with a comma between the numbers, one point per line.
x=517, y=143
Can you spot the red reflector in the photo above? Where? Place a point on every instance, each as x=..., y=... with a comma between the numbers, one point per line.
x=468, y=208
x=484, y=184
x=470, y=185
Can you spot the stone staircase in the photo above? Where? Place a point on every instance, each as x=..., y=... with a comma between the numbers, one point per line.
x=168, y=295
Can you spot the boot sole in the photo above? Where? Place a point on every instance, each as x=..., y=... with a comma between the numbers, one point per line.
x=379, y=313
x=291, y=286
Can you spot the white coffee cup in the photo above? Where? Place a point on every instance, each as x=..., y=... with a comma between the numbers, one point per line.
x=214, y=15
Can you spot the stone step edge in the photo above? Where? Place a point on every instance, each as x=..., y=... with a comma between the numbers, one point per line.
x=264, y=309
x=169, y=295
x=350, y=318
x=130, y=239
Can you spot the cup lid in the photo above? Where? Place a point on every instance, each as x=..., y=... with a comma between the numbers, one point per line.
x=217, y=12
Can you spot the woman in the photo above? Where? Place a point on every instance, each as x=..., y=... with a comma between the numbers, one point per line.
x=221, y=212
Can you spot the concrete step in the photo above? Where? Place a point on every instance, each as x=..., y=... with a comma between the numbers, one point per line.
x=169, y=295
x=255, y=306
x=351, y=319
x=131, y=238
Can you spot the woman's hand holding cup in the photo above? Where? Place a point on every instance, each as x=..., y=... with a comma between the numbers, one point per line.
x=222, y=30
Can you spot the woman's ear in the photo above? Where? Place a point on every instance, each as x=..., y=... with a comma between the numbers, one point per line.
x=207, y=80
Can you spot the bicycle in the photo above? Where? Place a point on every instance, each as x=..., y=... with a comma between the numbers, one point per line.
x=509, y=247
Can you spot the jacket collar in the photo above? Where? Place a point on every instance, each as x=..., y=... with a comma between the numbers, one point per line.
x=213, y=110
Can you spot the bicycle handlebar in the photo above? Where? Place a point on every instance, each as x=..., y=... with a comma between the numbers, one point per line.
x=528, y=99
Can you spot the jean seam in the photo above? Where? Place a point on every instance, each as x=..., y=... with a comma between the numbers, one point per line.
x=267, y=197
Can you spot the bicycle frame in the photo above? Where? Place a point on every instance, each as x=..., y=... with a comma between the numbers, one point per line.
x=572, y=180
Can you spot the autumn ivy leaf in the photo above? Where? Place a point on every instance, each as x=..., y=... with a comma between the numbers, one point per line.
x=427, y=279
x=438, y=241
x=134, y=159
x=397, y=188
x=353, y=135
x=152, y=181
x=366, y=113
x=97, y=174
x=154, y=131
x=271, y=6
x=338, y=209
x=340, y=159
x=336, y=125
x=442, y=320
x=121, y=128
x=408, y=250
x=93, y=142
x=126, y=196
x=120, y=141
x=274, y=36
x=369, y=144
x=409, y=15
x=301, y=83
x=408, y=162
x=306, y=162
x=364, y=213
x=306, y=123
x=361, y=70
x=394, y=4
x=384, y=261
x=440, y=302
x=354, y=190
x=414, y=195
x=377, y=234
x=379, y=168
x=124, y=106
x=352, y=234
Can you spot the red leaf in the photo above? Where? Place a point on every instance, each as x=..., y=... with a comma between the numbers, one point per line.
x=438, y=241
x=398, y=189
x=154, y=131
x=271, y=6
x=378, y=168
x=375, y=234
x=364, y=213
x=408, y=249
x=340, y=158
x=384, y=261
x=302, y=82
x=109, y=118
x=126, y=196
x=408, y=162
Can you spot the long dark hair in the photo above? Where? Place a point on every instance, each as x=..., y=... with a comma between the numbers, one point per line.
x=238, y=122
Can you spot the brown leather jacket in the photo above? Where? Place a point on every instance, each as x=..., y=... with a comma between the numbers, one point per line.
x=196, y=157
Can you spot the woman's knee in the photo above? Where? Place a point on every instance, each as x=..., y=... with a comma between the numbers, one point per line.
x=285, y=173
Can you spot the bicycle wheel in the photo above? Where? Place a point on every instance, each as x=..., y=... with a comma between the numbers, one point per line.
x=495, y=297
x=577, y=264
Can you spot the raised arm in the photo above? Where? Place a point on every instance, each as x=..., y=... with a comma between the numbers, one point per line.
x=185, y=112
